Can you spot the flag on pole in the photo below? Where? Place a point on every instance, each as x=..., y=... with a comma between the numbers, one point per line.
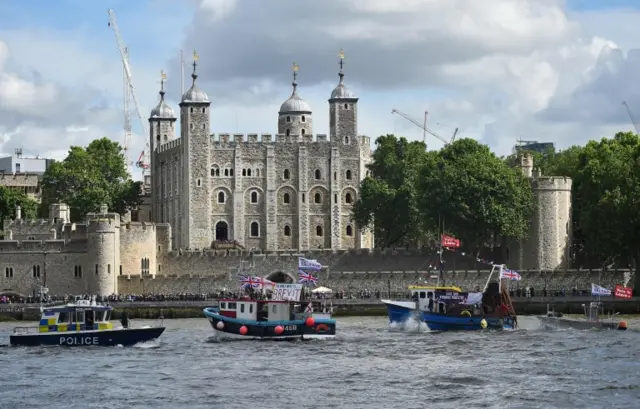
x=307, y=264
x=306, y=278
x=510, y=275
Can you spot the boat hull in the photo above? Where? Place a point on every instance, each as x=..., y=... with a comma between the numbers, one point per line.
x=401, y=311
x=566, y=323
x=124, y=337
x=225, y=327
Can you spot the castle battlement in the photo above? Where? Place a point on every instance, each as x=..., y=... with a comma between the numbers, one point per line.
x=170, y=145
x=268, y=138
x=138, y=226
x=295, y=253
x=18, y=179
x=33, y=222
x=32, y=246
x=561, y=183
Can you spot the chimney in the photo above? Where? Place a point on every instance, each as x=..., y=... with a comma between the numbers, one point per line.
x=18, y=213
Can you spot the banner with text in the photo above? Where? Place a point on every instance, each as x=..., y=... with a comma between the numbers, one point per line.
x=287, y=292
x=623, y=292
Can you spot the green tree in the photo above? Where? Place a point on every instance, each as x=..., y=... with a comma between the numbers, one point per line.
x=10, y=198
x=89, y=177
x=606, y=199
x=388, y=199
x=477, y=194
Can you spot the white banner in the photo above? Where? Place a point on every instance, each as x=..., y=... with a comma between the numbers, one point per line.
x=599, y=290
x=287, y=292
x=307, y=264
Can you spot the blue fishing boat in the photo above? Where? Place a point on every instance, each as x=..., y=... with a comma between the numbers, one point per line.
x=81, y=323
x=450, y=309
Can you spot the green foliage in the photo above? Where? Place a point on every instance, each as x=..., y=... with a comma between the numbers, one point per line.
x=476, y=194
x=606, y=193
x=388, y=196
x=89, y=177
x=10, y=198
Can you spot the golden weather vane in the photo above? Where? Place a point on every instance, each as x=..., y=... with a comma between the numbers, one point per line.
x=295, y=67
x=195, y=55
x=163, y=75
x=341, y=54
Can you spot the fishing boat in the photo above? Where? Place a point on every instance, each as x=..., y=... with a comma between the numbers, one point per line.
x=249, y=318
x=449, y=308
x=594, y=316
x=81, y=323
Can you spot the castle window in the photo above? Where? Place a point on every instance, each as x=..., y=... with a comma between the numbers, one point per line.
x=318, y=175
x=77, y=271
x=318, y=231
x=287, y=230
x=302, y=131
x=349, y=231
x=335, y=198
x=204, y=126
x=335, y=175
x=255, y=229
x=191, y=125
x=215, y=171
x=144, y=266
x=108, y=268
x=159, y=268
x=286, y=198
x=254, y=197
x=303, y=119
x=348, y=174
x=231, y=172
x=286, y=174
x=120, y=269
x=220, y=197
x=96, y=269
x=348, y=198
x=346, y=140
x=226, y=172
x=158, y=138
x=248, y=172
x=287, y=132
x=346, y=106
x=244, y=172
x=165, y=137
x=36, y=271
x=288, y=119
x=8, y=272
x=317, y=198
x=204, y=110
x=198, y=183
x=303, y=198
x=31, y=237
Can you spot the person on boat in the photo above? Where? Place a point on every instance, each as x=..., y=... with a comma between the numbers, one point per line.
x=430, y=297
x=124, y=320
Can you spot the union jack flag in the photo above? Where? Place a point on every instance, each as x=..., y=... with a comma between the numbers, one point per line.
x=510, y=275
x=306, y=278
x=248, y=281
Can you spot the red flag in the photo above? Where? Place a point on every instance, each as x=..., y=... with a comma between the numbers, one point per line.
x=623, y=292
x=448, y=241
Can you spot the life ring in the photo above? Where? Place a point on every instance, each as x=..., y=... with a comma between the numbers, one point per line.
x=466, y=313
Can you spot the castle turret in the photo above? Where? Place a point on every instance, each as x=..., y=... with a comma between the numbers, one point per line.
x=162, y=129
x=103, y=255
x=196, y=229
x=294, y=117
x=343, y=111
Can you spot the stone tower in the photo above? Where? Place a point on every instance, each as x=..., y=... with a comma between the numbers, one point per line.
x=196, y=158
x=162, y=129
x=103, y=255
x=343, y=111
x=294, y=117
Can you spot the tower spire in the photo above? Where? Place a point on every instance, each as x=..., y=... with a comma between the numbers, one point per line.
x=195, y=59
x=295, y=67
x=341, y=74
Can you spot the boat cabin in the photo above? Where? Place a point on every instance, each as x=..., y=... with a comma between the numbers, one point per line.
x=593, y=311
x=257, y=310
x=81, y=315
x=422, y=294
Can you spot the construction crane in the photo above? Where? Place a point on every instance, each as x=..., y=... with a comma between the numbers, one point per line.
x=424, y=128
x=130, y=94
x=633, y=119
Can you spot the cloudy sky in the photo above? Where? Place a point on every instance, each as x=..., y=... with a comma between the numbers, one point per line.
x=499, y=70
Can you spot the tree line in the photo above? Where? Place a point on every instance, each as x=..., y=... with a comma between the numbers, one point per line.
x=412, y=195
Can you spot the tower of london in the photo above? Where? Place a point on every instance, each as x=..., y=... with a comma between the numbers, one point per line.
x=292, y=190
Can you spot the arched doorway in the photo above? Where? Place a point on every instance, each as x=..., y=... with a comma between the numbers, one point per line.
x=222, y=231
x=280, y=278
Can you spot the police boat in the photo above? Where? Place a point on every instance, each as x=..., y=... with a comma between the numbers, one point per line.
x=81, y=323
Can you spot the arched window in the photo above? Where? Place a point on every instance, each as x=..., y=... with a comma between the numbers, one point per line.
x=255, y=229
x=348, y=198
x=287, y=132
x=254, y=197
x=248, y=172
x=204, y=110
x=244, y=172
x=318, y=230
x=191, y=110
x=288, y=119
x=231, y=172
x=318, y=175
x=220, y=197
x=346, y=106
x=349, y=231
x=286, y=174
x=348, y=174
x=226, y=172
x=302, y=131
x=304, y=119
x=287, y=230
x=346, y=140
x=158, y=138
x=198, y=182
x=286, y=198
x=317, y=198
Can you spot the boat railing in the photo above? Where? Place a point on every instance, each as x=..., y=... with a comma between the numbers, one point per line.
x=25, y=330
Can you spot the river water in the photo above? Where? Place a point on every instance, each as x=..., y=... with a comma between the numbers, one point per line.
x=369, y=365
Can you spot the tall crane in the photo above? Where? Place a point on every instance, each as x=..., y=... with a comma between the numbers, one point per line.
x=633, y=119
x=424, y=128
x=130, y=94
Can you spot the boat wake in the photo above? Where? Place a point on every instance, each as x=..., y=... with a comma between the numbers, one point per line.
x=412, y=324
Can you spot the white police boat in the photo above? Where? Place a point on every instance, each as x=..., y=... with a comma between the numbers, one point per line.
x=81, y=323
